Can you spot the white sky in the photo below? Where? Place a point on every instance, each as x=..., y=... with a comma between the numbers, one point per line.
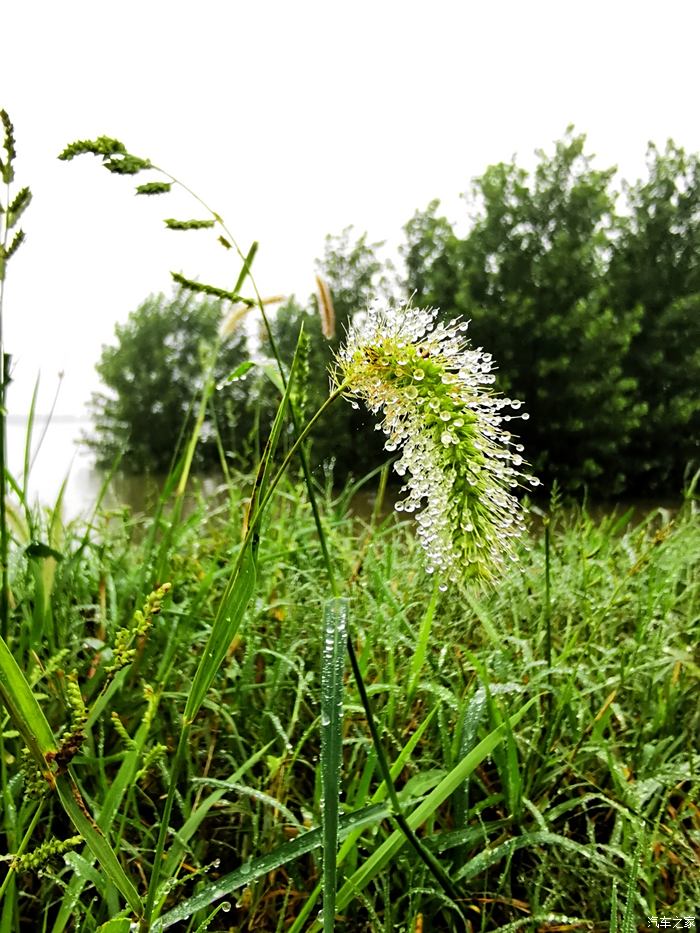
x=293, y=120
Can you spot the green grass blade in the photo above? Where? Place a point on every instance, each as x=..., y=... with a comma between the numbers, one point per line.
x=257, y=868
x=613, y=908
x=26, y=714
x=419, y=654
x=117, y=925
x=228, y=618
x=196, y=817
x=628, y=918
x=335, y=625
x=245, y=269
x=376, y=862
x=380, y=794
x=108, y=811
x=74, y=806
x=232, y=606
x=28, y=441
x=262, y=479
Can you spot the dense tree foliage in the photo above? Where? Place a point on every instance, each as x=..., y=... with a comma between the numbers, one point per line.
x=587, y=297
x=530, y=277
x=153, y=374
x=590, y=310
x=655, y=267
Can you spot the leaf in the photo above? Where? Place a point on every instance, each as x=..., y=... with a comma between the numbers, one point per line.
x=335, y=625
x=173, y=224
x=26, y=714
x=39, y=549
x=238, y=373
x=245, y=270
x=228, y=618
x=273, y=374
x=87, y=872
x=492, y=856
x=259, y=867
x=75, y=807
x=109, y=807
x=381, y=856
x=116, y=925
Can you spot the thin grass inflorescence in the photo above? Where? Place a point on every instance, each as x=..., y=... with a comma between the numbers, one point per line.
x=435, y=394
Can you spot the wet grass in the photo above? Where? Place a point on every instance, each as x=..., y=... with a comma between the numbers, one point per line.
x=584, y=806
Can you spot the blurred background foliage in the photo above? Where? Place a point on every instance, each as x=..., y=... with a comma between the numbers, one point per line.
x=586, y=291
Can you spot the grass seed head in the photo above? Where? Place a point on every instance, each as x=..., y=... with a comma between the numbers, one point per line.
x=433, y=394
x=326, y=309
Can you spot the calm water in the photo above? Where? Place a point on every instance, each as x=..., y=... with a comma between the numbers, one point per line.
x=53, y=458
x=59, y=456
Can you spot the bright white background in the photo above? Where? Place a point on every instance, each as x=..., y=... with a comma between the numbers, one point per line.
x=294, y=120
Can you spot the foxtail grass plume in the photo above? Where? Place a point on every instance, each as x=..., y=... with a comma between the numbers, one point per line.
x=234, y=318
x=231, y=322
x=434, y=394
x=326, y=309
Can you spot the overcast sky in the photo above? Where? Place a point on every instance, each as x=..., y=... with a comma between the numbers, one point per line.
x=294, y=120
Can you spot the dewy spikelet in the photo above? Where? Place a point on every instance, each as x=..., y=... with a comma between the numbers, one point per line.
x=434, y=394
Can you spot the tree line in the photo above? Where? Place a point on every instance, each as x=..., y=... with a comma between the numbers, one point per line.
x=586, y=292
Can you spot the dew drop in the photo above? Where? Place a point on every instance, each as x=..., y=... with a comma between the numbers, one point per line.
x=418, y=374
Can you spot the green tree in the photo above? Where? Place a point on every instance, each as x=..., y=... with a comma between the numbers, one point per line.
x=655, y=266
x=531, y=277
x=153, y=373
x=431, y=258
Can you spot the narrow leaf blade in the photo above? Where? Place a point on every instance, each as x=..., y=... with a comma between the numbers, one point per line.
x=335, y=625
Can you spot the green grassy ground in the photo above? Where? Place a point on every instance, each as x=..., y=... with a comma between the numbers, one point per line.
x=583, y=816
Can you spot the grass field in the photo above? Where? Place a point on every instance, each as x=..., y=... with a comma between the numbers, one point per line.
x=542, y=733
